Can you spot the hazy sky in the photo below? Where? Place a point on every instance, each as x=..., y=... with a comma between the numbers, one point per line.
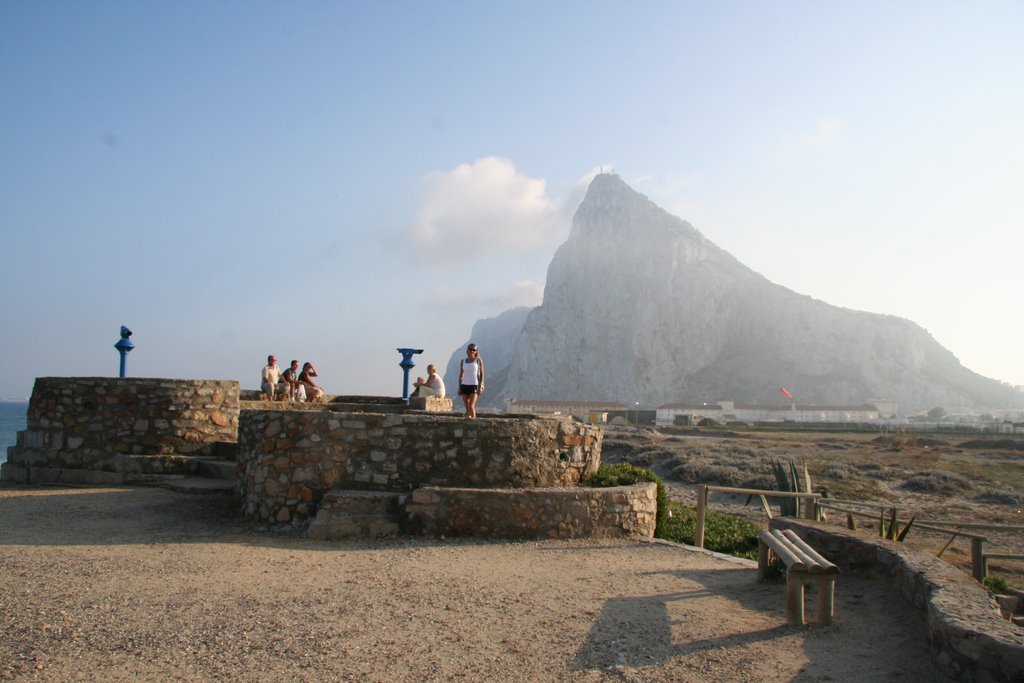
x=332, y=180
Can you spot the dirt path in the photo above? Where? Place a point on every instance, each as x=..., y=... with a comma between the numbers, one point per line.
x=145, y=584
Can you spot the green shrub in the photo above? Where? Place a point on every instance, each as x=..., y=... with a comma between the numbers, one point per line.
x=722, y=533
x=624, y=474
x=996, y=584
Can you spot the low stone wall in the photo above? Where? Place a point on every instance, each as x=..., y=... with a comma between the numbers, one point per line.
x=289, y=458
x=969, y=638
x=576, y=512
x=85, y=422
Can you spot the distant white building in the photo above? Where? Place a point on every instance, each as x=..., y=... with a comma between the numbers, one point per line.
x=584, y=410
x=728, y=411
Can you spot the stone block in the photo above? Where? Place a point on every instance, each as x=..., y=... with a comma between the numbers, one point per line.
x=13, y=473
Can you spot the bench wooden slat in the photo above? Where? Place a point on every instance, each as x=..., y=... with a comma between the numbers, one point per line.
x=810, y=565
x=784, y=551
x=823, y=565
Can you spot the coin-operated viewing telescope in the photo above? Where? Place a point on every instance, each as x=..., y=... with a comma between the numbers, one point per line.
x=123, y=346
x=406, y=365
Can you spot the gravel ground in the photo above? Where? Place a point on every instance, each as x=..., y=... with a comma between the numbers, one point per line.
x=145, y=584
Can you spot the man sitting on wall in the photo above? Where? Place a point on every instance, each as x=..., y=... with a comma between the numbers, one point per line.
x=291, y=383
x=433, y=385
x=271, y=376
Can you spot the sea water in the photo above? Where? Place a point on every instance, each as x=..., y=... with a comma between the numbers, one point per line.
x=12, y=420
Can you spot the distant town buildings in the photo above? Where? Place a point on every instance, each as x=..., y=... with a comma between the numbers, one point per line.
x=693, y=413
x=588, y=411
x=879, y=411
x=729, y=411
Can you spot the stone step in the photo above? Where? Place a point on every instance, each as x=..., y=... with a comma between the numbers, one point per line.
x=134, y=465
x=345, y=514
x=191, y=465
x=199, y=485
x=336, y=528
x=216, y=468
x=356, y=502
x=182, y=483
x=24, y=474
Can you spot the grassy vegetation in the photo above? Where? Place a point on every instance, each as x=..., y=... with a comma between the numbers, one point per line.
x=722, y=533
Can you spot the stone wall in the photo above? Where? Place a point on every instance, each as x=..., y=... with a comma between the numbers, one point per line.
x=531, y=513
x=969, y=638
x=289, y=459
x=85, y=422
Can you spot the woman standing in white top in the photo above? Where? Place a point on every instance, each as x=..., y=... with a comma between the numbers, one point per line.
x=471, y=379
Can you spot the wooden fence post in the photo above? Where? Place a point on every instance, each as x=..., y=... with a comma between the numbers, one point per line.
x=702, y=502
x=978, y=563
x=809, y=507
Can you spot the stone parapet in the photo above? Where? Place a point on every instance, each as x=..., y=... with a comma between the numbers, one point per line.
x=289, y=459
x=970, y=640
x=135, y=415
x=576, y=512
x=92, y=423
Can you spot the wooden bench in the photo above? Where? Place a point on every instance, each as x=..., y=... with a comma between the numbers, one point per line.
x=803, y=564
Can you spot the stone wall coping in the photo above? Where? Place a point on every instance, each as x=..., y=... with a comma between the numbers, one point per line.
x=968, y=635
x=563, y=490
x=137, y=380
x=334, y=411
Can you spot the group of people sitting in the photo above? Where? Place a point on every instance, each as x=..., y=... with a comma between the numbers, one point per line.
x=298, y=385
x=291, y=385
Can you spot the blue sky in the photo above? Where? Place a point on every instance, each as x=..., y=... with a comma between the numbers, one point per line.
x=328, y=181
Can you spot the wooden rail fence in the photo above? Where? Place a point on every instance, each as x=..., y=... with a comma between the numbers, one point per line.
x=810, y=505
x=979, y=557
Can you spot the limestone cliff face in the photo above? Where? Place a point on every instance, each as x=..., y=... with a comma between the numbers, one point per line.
x=639, y=306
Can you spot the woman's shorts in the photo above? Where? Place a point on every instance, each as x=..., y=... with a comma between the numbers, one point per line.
x=467, y=389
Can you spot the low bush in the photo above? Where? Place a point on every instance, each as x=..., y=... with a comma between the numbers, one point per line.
x=646, y=458
x=704, y=472
x=999, y=497
x=759, y=481
x=836, y=470
x=996, y=584
x=936, y=481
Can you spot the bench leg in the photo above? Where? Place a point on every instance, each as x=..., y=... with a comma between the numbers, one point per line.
x=763, y=560
x=826, y=599
x=795, y=599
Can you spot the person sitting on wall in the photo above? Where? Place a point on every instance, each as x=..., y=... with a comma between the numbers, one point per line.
x=290, y=378
x=313, y=392
x=433, y=385
x=271, y=376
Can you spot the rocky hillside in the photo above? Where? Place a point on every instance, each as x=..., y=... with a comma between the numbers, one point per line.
x=640, y=306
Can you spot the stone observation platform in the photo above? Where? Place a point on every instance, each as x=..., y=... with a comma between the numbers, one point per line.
x=357, y=466
x=347, y=466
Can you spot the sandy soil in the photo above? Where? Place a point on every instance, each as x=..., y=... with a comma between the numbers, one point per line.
x=146, y=584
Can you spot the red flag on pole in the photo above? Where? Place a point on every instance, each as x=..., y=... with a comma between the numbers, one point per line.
x=785, y=393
